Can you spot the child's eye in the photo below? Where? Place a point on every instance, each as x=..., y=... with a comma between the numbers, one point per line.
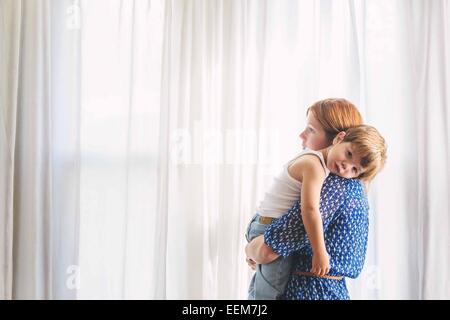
x=310, y=130
x=349, y=154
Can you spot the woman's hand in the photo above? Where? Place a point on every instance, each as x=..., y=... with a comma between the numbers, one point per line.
x=259, y=252
x=251, y=263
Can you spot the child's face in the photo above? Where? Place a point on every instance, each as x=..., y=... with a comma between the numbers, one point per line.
x=343, y=161
x=313, y=137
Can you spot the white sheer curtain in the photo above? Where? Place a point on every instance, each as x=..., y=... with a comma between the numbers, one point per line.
x=137, y=138
x=26, y=168
x=79, y=134
x=120, y=247
x=218, y=141
x=389, y=57
x=9, y=80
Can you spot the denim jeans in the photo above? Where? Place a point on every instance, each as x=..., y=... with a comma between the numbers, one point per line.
x=269, y=280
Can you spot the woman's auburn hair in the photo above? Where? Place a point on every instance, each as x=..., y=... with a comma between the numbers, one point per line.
x=335, y=115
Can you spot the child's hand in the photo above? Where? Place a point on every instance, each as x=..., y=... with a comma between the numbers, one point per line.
x=320, y=263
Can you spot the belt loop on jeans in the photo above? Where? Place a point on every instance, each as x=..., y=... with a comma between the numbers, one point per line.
x=310, y=274
x=265, y=220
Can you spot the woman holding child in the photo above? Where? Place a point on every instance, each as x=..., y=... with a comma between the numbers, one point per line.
x=311, y=229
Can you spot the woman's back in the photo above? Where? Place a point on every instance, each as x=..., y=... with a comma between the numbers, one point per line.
x=344, y=209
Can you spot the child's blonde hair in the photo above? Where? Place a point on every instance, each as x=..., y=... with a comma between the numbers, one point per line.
x=370, y=145
x=335, y=115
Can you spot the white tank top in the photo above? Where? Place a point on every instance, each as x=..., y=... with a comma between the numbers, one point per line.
x=285, y=190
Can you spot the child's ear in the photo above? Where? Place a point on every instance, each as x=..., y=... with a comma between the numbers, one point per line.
x=339, y=137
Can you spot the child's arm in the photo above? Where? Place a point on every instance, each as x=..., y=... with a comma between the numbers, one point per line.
x=313, y=176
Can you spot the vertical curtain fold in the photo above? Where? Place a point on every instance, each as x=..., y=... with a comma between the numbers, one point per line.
x=433, y=179
x=10, y=31
x=26, y=122
x=32, y=262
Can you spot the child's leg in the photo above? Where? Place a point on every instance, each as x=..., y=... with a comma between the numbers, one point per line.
x=254, y=229
x=269, y=280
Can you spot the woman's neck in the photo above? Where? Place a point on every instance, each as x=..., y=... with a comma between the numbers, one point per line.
x=325, y=153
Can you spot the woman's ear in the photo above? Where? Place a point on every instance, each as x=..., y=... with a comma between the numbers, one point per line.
x=339, y=137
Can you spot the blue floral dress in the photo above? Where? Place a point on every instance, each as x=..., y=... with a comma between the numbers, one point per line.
x=344, y=208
